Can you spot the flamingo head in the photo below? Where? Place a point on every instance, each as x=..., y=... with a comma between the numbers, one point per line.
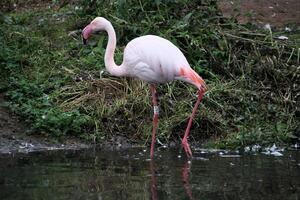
x=98, y=24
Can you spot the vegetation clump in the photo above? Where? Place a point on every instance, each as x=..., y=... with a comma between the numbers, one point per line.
x=61, y=88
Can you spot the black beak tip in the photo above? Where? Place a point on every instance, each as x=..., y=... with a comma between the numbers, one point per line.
x=84, y=41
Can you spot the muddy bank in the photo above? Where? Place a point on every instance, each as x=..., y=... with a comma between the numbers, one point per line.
x=275, y=12
x=13, y=137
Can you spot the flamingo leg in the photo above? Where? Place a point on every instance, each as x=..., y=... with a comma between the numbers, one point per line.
x=155, y=119
x=185, y=143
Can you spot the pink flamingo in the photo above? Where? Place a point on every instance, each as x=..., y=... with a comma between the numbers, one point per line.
x=152, y=59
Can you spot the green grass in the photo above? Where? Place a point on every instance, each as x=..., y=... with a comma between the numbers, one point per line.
x=56, y=84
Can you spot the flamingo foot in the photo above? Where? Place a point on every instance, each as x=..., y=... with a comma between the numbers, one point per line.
x=187, y=148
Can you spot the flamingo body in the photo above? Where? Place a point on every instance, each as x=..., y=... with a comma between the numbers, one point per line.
x=152, y=59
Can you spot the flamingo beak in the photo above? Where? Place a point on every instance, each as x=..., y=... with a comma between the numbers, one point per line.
x=84, y=41
x=87, y=31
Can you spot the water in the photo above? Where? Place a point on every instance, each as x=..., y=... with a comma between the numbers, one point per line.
x=129, y=174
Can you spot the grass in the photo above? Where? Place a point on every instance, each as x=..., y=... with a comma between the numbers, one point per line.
x=59, y=87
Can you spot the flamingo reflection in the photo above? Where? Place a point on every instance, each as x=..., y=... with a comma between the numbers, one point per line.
x=153, y=180
x=184, y=176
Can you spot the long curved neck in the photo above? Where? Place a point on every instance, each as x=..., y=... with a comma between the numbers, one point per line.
x=109, y=61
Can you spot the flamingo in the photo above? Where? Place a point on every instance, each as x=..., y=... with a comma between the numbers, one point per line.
x=154, y=60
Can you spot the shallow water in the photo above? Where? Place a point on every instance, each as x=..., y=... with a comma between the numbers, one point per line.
x=129, y=174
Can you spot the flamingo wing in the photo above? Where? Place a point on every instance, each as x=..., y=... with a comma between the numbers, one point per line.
x=153, y=59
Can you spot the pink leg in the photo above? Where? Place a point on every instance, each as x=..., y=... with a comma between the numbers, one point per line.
x=155, y=119
x=185, y=144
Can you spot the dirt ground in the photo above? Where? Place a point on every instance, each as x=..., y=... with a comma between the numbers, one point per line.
x=275, y=12
x=21, y=5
